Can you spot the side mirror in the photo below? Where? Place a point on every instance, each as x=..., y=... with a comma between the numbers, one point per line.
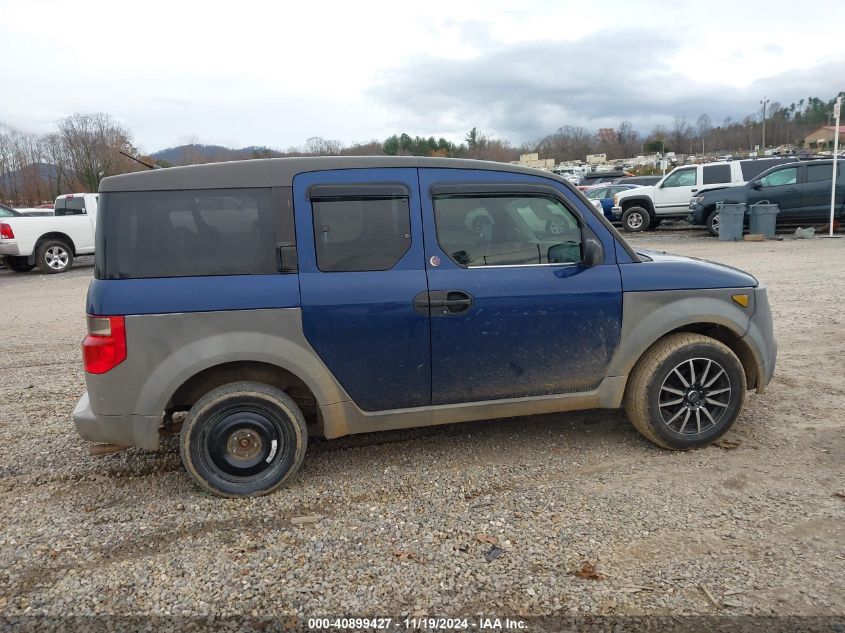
x=756, y=184
x=567, y=253
x=593, y=252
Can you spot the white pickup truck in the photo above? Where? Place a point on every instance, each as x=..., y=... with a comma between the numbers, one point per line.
x=644, y=208
x=50, y=242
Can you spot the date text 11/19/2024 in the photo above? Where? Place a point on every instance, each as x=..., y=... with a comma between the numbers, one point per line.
x=418, y=623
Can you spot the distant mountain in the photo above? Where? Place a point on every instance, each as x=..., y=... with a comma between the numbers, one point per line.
x=34, y=171
x=196, y=152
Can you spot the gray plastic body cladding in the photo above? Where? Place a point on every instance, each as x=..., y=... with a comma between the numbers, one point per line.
x=165, y=350
x=346, y=418
x=761, y=336
x=124, y=430
x=647, y=316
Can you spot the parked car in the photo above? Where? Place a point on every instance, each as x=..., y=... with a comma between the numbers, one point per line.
x=592, y=178
x=52, y=242
x=604, y=195
x=801, y=191
x=646, y=207
x=280, y=298
x=637, y=180
x=8, y=212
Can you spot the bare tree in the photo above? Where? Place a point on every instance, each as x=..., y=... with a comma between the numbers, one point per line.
x=704, y=126
x=92, y=144
x=681, y=132
x=628, y=138
x=319, y=146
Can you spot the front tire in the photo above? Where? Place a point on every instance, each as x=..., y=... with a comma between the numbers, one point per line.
x=244, y=439
x=635, y=219
x=712, y=223
x=53, y=256
x=18, y=264
x=685, y=392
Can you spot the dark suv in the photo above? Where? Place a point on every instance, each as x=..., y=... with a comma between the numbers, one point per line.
x=277, y=299
x=801, y=190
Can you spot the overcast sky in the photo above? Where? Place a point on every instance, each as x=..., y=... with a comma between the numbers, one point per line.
x=275, y=73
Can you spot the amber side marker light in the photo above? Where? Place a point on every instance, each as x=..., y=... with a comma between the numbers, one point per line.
x=741, y=300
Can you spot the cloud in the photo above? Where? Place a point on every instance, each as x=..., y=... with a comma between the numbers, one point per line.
x=525, y=90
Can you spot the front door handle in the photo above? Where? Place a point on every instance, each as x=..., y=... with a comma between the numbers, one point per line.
x=442, y=302
x=457, y=301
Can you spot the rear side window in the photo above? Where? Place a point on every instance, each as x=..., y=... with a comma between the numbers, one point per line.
x=186, y=233
x=815, y=173
x=717, y=174
x=70, y=206
x=506, y=230
x=360, y=234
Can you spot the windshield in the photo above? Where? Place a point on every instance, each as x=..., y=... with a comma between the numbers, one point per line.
x=7, y=212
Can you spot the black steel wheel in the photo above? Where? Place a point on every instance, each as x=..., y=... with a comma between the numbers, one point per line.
x=243, y=439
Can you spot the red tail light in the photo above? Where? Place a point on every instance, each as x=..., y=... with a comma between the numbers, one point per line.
x=6, y=232
x=105, y=346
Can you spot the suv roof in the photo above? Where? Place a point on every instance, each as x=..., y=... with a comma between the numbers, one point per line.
x=279, y=172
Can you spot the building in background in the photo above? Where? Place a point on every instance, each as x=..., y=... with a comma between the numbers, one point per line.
x=822, y=137
x=534, y=160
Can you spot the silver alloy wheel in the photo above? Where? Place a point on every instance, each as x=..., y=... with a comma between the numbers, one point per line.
x=715, y=223
x=635, y=220
x=694, y=396
x=56, y=257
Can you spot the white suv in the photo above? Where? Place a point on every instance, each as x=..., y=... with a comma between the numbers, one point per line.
x=645, y=207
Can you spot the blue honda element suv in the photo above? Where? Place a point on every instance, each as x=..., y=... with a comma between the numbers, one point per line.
x=273, y=300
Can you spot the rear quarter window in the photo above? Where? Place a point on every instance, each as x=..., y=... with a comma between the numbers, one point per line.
x=186, y=233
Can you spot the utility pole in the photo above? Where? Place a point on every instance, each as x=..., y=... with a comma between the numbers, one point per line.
x=837, y=107
x=764, y=101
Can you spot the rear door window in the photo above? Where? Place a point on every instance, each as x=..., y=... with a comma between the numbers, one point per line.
x=186, y=233
x=363, y=234
x=816, y=173
x=716, y=174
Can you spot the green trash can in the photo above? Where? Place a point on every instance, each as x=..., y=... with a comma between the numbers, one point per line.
x=762, y=218
x=731, y=219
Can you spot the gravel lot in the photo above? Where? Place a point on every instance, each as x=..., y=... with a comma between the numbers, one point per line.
x=401, y=522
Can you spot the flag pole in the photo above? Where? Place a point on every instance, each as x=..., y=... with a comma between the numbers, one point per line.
x=836, y=111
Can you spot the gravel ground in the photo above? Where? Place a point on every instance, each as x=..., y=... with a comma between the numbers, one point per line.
x=405, y=522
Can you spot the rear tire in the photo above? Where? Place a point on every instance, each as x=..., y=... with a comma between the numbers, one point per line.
x=18, y=264
x=685, y=392
x=53, y=256
x=244, y=439
x=635, y=219
x=712, y=223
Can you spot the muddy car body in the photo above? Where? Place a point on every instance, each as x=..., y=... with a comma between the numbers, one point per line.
x=280, y=298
